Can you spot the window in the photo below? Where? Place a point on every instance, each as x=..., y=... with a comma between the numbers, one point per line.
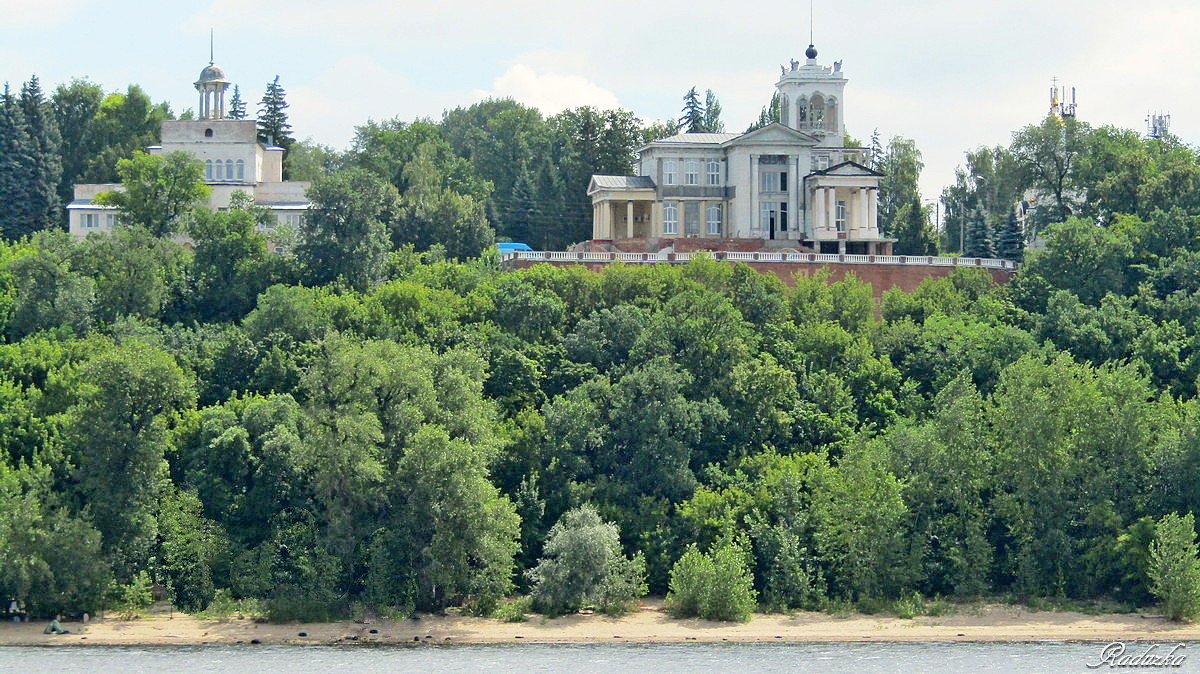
x=714, y=219
x=241, y=169
x=773, y=181
x=840, y=217
x=691, y=174
x=89, y=220
x=279, y=249
x=713, y=168
x=110, y=219
x=208, y=133
x=765, y=215
x=671, y=218
x=208, y=169
x=220, y=174
x=293, y=219
x=229, y=169
x=668, y=171
x=783, y=216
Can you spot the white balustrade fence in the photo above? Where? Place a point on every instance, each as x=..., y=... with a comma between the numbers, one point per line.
x=739, y=256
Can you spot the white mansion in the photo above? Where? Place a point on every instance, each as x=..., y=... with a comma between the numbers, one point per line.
x=233, y=159
x=789, y=184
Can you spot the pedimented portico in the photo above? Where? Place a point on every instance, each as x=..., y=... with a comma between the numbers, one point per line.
x=789, y=184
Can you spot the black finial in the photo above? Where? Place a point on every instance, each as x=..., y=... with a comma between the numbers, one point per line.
x=811, y=52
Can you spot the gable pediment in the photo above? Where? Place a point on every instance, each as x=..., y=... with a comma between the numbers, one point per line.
x=847, y=168
x=773, y=133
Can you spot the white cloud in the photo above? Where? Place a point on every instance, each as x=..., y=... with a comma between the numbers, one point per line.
x=550, y=93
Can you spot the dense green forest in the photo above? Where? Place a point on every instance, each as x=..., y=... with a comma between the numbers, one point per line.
x=386, y=420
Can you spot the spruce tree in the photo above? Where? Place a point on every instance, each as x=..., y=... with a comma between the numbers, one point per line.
x=876, y=151
x=46, y=144
x=979, y=236
x=520, y=221
x=237, y=107
x=550, y=204
x=273, y=127
x=17, y=165
x=712, y=113
x=1010, y=244
x=692, y=119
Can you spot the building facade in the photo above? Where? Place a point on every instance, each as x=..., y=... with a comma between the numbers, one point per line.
x=790, y=184
x=234, y=160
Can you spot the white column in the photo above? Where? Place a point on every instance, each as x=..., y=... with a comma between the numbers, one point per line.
x=873, y=211
x=796, y=222
x=831, y=208
x=817, y=217
x=861, y=216
x=629, y=217
x=754, y=223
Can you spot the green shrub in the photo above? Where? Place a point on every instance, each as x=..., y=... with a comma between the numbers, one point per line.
x=909, y=606
x=224, y=607
x=1174, y=569
x=716, y=586
x=582, y=565
x=133, y=598
x=514, y=610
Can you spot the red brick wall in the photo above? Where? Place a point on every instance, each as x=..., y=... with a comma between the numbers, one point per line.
x=882, y=277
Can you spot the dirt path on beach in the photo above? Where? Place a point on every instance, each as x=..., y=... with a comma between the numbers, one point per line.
x=648, y=624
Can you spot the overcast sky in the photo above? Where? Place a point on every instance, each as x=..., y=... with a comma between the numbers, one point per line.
x=951, y=74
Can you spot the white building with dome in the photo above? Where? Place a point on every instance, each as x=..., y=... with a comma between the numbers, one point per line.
x=234, y=160
x=790, y=184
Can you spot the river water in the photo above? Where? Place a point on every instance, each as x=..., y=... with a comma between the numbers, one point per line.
x=582, y=658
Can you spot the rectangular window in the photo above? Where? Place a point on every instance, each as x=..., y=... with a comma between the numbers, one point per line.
x=773, y=181
x=89, y=220
x=840, y=217
x=671, y=218
x=714, y=219
x=110, y=219
x=669, y=171
x=713, y=169
x=292, y=219
x=691, y=173
x=783, y=186
x=783, y=216
x=765, y=214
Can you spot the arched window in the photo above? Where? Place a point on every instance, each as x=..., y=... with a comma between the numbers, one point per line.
x=831, y=114
x=816, y=111
x=220, y=170
x=784, y=119
x=229, y=169
x=208, y=133
x=714, y=219
x=801, y=112
x=241, y=169
x=208, y=169
x=670, y=218
x=691, y=172
x=714, y=172
x=669, y=171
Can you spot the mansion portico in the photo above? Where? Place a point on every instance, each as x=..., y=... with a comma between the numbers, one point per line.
x=790, y=184
x=234, y=160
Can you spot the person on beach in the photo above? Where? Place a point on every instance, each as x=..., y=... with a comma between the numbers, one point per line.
x=55, y=627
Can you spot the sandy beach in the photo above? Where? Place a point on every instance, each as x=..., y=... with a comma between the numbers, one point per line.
x=648, y=624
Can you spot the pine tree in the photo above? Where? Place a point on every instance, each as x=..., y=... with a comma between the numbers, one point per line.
x=769, y=114
x=692, y=120
x=17, y=164
x=876, y=151
x=273, y=127
x=1010, y=244
x=520, y=221
x=237, y=107
x=46, y=145
x=979, y=236
x=712, y=113
x=550, y=204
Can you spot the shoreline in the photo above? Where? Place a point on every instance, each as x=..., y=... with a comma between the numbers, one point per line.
x=648, y=624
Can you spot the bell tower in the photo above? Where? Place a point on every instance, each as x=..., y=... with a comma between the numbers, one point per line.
x=211, y=85
x=811, y=98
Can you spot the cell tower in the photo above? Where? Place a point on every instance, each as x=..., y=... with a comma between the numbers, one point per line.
x=1060, y=104
x=1158, y=125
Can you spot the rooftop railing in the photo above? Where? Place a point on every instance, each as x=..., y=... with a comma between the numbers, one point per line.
x=736, y=256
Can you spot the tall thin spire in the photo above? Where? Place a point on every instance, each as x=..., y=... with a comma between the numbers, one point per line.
x=210, y=46
x=810, y=21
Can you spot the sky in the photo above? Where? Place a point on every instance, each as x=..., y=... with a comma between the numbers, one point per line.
x=952, y=75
